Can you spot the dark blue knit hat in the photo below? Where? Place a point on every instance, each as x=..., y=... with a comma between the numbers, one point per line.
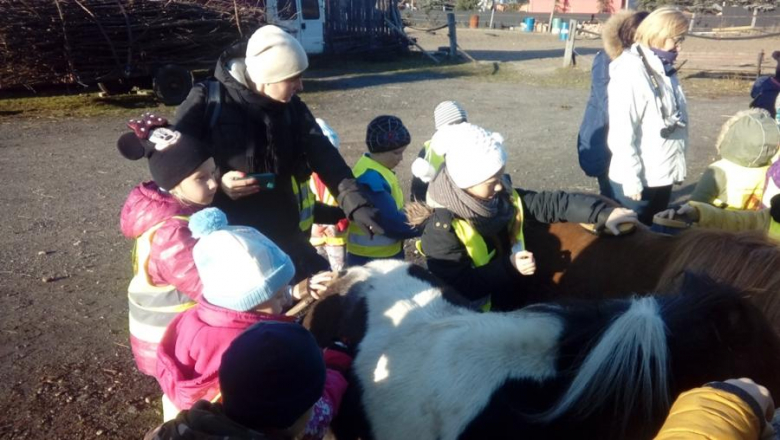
x=386, y=133
x=271, y=375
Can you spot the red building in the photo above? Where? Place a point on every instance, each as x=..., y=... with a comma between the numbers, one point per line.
x=576, y=6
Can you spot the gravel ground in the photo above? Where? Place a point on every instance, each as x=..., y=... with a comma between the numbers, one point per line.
x=67, y=370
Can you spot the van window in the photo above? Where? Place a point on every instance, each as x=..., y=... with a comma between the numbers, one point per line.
x=286, y=9
x=310, y=9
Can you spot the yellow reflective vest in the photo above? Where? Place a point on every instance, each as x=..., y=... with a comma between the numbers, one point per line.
x=151, y=307
x=305, y=197
x=744, y=186
x=340, y=239
x=475, y=244
x=774, y=229
x=436, y=160
x=358, y=242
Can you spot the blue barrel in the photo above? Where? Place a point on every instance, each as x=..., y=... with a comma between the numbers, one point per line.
x=556, y=26
x=564, y=31
x=529, y=24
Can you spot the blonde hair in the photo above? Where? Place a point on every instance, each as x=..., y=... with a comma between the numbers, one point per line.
x=663, y=23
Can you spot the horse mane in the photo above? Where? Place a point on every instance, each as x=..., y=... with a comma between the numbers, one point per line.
x=748, y=261
x=627, y=366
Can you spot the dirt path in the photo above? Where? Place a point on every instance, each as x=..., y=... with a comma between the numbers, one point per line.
x=66, y=369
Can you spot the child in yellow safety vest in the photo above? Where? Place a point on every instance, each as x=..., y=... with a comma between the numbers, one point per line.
x=473, y=223
x=747, y=143
x=387, y=139
x=156, y=215
x=429, y=160
x=330, y=241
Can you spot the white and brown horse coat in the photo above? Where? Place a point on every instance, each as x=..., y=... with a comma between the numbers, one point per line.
x=429, y=369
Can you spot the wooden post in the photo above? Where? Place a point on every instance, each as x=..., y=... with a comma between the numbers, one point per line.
x=492, y=13
x=555, y=3
x=755, y=15
x=453, y=36
x=568, y=53
x=690, y=24
x=760, y=62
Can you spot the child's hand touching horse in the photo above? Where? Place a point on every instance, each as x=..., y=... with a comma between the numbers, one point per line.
x=524, y=262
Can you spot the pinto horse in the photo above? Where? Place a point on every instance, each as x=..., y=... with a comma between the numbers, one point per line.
x=573, y=263
x=427, y=368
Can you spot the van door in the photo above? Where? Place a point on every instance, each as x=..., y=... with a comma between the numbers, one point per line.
x=304, y=19
x=284, y=13
x=312, y=26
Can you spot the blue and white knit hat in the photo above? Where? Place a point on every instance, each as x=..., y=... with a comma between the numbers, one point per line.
x=240, y=268
x=448, y=113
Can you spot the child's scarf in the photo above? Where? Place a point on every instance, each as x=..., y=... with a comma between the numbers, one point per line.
x=487, y=216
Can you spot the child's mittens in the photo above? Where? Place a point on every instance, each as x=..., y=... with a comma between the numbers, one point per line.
x=423, y=170
x=338, y=356
x=206, y=221
x=524, y=262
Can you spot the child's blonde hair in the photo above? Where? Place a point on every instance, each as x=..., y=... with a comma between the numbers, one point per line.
x=663, y=23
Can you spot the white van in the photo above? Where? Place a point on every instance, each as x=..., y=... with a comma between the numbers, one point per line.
x=303, y=18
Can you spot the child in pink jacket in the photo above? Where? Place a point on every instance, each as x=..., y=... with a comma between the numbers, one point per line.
x=275, y=381
x=155, y=215
x=245, y=282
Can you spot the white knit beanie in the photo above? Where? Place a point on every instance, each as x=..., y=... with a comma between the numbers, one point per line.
x=240, y=268
x=447, y=113
x=273, y=55
x=473, y=154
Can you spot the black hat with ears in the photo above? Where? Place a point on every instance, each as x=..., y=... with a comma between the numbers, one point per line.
x=172, y=155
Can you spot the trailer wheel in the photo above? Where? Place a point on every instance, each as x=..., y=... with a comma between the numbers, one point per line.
x=172, y=83
x=115, y=87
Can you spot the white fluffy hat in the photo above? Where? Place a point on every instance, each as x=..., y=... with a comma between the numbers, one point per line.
x=473, y=153
x=273, y=55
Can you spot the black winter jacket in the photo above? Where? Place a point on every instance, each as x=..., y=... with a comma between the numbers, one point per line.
x=447, y=258
x=246, y=124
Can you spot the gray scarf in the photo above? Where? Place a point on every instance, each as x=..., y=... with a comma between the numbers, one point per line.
x=488, y=216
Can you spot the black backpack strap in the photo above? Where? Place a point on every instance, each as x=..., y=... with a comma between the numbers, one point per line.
x=213, y=102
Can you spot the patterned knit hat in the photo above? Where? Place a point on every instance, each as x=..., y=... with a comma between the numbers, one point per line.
x=172, y=155
x=240, y=268
x=386, y=133
x=447, y=113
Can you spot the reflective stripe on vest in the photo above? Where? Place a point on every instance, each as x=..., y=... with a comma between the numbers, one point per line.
x=433, y=158
x=340, y=239
x=774, y=229
x=305, y=197
x=475, y=244
x=744, y=186
x=151, y=307
x=358, y=242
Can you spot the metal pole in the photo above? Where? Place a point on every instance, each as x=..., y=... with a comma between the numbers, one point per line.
x=568, y=53
x=753, y=22
x=693, y=20
x=453, y=36
x=492, y=13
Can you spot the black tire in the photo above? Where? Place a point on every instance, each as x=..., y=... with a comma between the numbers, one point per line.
x=115, y=87
x=172, y=83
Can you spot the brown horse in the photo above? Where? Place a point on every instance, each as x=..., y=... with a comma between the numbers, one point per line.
x=573, y=263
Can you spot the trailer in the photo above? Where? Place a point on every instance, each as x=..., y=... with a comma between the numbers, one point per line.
x=115, y=43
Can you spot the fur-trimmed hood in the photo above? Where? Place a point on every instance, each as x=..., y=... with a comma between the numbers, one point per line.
x=609, y=33
x=418, y=213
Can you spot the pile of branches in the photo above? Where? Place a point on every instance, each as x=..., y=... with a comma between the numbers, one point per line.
x=88, y=41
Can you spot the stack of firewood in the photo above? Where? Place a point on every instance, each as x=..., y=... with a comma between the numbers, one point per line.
x=87, y=41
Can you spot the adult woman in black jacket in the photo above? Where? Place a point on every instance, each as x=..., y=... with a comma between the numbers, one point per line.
x=256, y=124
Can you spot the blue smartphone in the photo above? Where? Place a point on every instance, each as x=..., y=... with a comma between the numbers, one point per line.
x=265, y=180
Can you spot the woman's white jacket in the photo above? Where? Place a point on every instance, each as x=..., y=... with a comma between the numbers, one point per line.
x=640, y=156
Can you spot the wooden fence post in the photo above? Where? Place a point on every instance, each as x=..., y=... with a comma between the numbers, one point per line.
x=568, y=53
x=691, y=23
x=755, y=15
x=453, y=36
